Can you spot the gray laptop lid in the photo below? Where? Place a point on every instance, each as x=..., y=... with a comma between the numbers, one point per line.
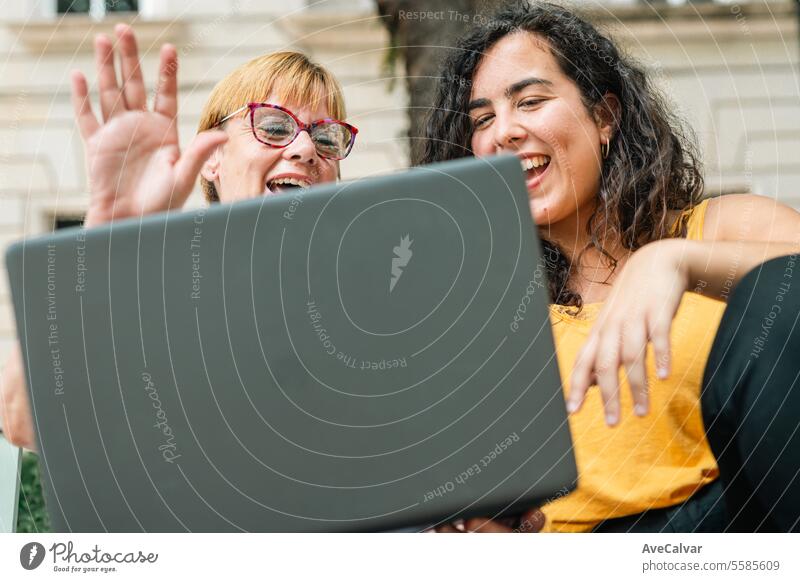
x=361, y=356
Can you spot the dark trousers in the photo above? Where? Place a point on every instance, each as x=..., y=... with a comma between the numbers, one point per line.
x=751, y=412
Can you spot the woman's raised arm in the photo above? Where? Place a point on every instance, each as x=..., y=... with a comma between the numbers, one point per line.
x=134, y=167
x=133, y=159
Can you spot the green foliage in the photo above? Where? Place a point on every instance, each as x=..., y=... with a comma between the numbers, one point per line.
x=32, y=516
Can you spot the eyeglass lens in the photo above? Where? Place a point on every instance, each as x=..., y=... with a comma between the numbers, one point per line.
x=277, y=128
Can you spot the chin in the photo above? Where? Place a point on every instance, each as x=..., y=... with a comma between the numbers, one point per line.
x=539, y=212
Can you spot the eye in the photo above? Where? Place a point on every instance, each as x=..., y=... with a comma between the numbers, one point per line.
x=530, y=102
x=324, y=140
x=483, y=121
x=274, y=129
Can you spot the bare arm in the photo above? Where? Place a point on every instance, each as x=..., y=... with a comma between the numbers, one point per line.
x=134, y=164
x=740, y=233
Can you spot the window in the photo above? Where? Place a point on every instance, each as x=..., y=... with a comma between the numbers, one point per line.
x=68, y=221
x=73, y=6
x=97, y=8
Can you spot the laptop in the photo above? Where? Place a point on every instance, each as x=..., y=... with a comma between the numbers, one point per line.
x=362, y=356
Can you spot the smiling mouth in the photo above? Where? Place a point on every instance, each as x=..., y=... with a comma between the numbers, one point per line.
x=287, y=184
x=535, y=166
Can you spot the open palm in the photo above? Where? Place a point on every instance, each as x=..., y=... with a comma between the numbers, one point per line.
x=133, y=158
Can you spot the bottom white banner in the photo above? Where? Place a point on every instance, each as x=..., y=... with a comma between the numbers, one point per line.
x=396, y=556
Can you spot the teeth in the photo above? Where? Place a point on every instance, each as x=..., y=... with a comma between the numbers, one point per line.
x=290, y=181
x=534, y=162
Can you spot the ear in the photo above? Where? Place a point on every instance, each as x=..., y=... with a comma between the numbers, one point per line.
x=210, y=169
x=607, y=116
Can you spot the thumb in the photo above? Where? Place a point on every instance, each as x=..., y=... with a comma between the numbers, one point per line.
x=191, y=162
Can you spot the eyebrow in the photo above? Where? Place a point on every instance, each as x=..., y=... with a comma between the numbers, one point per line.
x=510, y=91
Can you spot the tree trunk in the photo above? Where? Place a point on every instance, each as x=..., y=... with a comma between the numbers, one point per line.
x=422, y=34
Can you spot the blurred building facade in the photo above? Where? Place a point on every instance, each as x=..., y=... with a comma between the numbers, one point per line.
x=730, y=68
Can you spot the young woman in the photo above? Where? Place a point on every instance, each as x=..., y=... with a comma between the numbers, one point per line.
x=272, y=124
x=701, y=431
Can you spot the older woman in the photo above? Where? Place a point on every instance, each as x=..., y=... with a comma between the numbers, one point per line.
x=273, y=124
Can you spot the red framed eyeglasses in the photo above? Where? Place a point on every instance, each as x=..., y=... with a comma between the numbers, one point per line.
x=277, y=127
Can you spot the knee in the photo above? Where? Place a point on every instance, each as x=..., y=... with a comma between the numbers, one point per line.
x=766, y=304
x=754, y=353
x=773, y=284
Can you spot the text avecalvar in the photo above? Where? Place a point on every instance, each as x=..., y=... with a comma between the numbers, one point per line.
x=671, y=549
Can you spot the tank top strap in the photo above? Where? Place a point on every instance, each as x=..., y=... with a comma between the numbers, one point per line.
x=695, y=220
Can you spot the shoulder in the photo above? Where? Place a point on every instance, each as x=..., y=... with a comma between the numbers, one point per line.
x=692, y=218
x=735, y=217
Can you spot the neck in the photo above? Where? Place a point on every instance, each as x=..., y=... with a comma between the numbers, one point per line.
x=570, y=233
x=572, y=236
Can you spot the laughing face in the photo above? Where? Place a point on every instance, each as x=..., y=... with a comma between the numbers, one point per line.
x=245, y=168
x=522, y=103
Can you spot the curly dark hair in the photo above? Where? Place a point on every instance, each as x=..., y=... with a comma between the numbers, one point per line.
x=652, y=165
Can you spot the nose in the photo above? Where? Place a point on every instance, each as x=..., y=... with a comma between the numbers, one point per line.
x=508, y=132
x=301, y=150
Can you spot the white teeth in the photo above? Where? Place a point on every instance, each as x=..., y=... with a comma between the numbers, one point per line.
x=290, y=181
x=539, y=161
x=534, y=162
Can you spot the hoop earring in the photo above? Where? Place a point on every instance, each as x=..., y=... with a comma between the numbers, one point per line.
x=604, y=149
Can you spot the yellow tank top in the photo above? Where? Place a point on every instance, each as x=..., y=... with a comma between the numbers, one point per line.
x=642, y=463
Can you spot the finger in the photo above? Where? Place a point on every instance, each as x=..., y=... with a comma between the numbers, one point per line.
x=82, y=106
x=582, y=374
x=658, y=332
x=485, y=525
x=532, y=521
x=111, y=102
x=166, y=100
x=634, y=358
x=191, y=162
x=509, y=521
x=607, y=369
x=132, y=81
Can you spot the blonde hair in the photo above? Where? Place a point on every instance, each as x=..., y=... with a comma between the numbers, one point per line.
x=290, y=76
